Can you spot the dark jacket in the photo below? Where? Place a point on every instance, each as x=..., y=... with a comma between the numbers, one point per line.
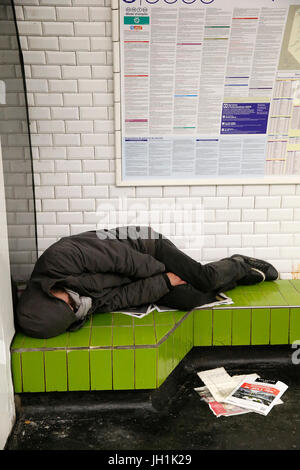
x=116, y=268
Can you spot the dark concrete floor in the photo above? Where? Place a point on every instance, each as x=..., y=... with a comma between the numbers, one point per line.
x=171, y=418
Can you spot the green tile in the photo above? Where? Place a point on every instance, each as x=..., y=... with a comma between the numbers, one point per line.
x=56, y=371
x=123, y=369
x=188, y=331
x=88, y=323
x=33, y=371
x=144, y=335
x=78, y=370
x=222, y=327
x=165, y=362
x=101, y=369
x=288, y=291
x=178, y=315
x=162, y=331
x=145, y=368
x=120, y=319
x=294, y=324
x=182, y=342
x=266, y=294
x=163, y=318
x=186, y=340
x=202, y=327
x=241, y=326
x=279, y=326
x=175, y=340
x=79, y=338
x=260, y=328
x=263, y=294
x=17, y=341
x=33, y=343
x=101, y=336
x=162, y=363
x=60, y=341
x=238, y=296
x=102, y=319
x=16, y=372
x=147, y=320
x=295, y=283
x=123, y=336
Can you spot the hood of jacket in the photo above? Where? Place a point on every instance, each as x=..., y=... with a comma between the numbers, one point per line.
x=57, y=314
x=115, y=272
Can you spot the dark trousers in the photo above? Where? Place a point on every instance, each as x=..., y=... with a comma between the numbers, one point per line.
x=203, y=281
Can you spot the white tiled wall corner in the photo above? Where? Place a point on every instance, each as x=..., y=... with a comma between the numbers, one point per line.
x=68, y=55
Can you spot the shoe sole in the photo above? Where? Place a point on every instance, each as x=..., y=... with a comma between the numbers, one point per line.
x=260, y=272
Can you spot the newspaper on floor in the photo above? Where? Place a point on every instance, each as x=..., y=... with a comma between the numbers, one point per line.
x=259, y=395
x=218, y=408
x=219, y=385
x=137, y=312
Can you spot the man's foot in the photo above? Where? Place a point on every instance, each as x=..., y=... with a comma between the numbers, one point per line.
x=254, y=277
x=270, y=273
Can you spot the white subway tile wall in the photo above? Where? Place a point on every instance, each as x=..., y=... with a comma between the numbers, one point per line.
x=67, y=47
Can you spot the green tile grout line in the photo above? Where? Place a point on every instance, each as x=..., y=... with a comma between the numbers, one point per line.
x=21, y=371
x=112, y=369
x=156, y=353
x=44, y=363
x=134, y=367
x=289, y=332
x=67, y=368
x=112, y=353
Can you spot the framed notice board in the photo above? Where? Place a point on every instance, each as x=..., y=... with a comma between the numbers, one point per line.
x=207, y=91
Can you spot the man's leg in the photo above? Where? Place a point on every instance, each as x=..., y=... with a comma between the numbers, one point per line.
x=208, y=277
x=186, y=297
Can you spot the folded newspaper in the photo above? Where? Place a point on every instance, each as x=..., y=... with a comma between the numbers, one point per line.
x=220, y=390
x=138, y=312
x=143, y=310
x=218, y=408
x=259, y=395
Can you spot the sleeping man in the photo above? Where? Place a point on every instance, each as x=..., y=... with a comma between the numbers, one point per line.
x=108, y=270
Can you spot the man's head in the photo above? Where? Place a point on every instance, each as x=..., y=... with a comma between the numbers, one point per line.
x=60, y=293
x=41, y=315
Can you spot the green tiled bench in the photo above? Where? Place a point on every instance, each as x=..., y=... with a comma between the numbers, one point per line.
x=117, y=352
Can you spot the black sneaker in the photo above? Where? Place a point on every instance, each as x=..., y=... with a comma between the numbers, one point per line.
x=254, y=277
x=271, y=274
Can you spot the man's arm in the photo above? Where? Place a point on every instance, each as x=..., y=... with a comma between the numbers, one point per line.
x=67, y=258
x=117, y=257
x=93, y=284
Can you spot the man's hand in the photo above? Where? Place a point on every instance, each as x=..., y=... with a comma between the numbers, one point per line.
x=175, y=280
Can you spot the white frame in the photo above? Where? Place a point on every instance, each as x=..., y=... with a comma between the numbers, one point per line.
x=280, y=179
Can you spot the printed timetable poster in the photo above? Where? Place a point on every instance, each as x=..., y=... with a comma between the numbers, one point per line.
x=210, y=90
